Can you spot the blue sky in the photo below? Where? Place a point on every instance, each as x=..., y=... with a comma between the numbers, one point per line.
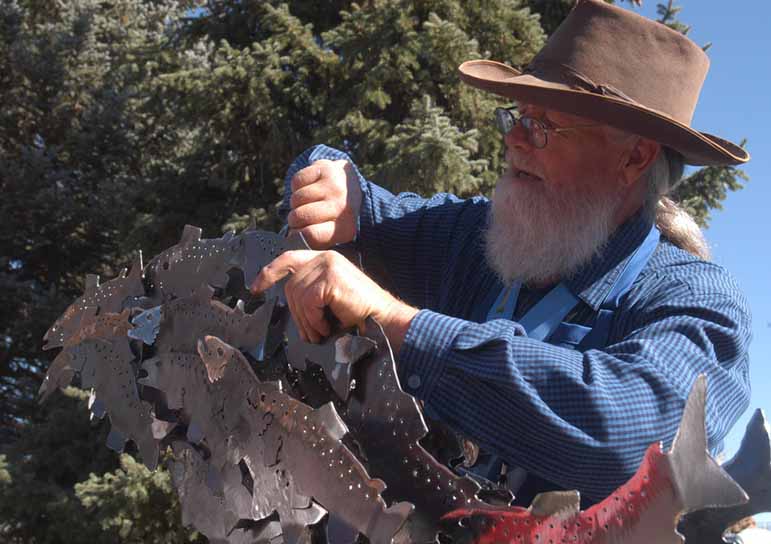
x=735, y=104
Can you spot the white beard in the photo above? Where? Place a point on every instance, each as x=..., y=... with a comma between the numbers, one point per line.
x=537, y=234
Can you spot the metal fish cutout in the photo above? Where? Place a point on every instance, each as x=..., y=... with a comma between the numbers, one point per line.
x=306, y=443
x=336, y=356
x=147, y=325
x=294, y=444
x=214, y=515
x=274, y=489
x=105, y=326
x=751, y=469
x=106, y=366
x=194, y=262
x=185, y=320
x=642, y=511
x=181, y=378
x=389, y=424
x=261, y=248
x=110, y=297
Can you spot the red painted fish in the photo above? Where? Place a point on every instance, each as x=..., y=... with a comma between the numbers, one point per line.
x=646, y=509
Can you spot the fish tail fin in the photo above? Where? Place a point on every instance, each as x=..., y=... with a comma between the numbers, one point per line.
x=699, y=481
x=752, y=463
x=388, y=522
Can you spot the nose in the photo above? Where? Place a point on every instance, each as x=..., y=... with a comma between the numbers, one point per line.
x=518, y=138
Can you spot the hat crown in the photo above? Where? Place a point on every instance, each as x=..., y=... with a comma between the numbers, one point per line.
x=610, y=50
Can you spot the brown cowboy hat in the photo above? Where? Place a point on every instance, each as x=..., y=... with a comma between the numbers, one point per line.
x=616, y=67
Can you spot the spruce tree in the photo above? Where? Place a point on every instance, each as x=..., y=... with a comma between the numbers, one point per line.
x=124, y=120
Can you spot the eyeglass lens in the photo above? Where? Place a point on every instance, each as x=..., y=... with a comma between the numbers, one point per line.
x=505, y=120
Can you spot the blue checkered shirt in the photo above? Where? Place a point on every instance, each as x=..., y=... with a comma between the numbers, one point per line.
x=580, y=419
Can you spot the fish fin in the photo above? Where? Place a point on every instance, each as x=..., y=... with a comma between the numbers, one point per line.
x=696, y=476
x=753, y=460
x=327, y=414
x=390, y=522
x=751, y=466
x=92, y=282
x=204, y=293
x=137, y=267
x=190, y=234
x=553, y=503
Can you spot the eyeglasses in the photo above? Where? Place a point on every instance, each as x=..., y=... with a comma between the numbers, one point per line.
x=537, y=133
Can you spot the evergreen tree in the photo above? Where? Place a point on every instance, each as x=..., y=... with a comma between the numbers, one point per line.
x=124, y=120
x=60, y=484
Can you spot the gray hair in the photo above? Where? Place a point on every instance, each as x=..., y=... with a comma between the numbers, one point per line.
x=675, y=224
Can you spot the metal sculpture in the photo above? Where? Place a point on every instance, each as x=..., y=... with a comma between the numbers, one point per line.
x=751, y=469
x=643, y=510
x=278, y=440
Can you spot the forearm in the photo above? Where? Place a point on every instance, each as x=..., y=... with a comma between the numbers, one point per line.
x=582, y=420
x=395, y=320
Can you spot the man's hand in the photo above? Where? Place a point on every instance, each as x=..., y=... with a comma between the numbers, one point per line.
x=325, y=203
x=326, y=279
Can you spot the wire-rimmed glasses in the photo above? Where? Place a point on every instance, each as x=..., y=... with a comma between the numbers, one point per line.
x=538, y=133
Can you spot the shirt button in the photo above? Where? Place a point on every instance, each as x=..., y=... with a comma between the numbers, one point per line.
x=413, y=382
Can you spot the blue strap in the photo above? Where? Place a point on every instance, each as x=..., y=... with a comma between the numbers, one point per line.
x=541, y=321
x=545, y=317
x=597, y=337
x=632, y=269
x=505, y=303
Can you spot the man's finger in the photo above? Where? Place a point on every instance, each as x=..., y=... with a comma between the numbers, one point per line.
x=286, y=263
x=294, y=297
x=321, y=236
x=307, y=288
x=315, y=192
x=306, y=176
x=311, y=214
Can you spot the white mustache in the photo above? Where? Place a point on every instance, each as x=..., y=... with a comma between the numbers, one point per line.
x=515, y=165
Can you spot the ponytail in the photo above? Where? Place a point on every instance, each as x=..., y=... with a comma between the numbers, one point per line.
x=675, y=224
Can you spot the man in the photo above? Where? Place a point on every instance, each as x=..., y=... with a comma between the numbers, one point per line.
x=553, y=326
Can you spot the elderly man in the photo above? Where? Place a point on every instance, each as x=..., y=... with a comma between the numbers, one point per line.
x=560, y=325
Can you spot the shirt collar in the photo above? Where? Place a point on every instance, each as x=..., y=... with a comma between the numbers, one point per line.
x=594, y=280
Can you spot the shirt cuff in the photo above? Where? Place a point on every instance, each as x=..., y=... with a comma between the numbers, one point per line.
x=423, y=355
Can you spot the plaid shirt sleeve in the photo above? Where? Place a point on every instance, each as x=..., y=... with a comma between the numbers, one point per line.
x=581, y=420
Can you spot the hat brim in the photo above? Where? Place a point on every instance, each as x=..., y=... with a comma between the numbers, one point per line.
x=698, y=148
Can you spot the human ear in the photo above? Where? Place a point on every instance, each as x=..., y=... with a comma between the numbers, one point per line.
x=637, y=160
